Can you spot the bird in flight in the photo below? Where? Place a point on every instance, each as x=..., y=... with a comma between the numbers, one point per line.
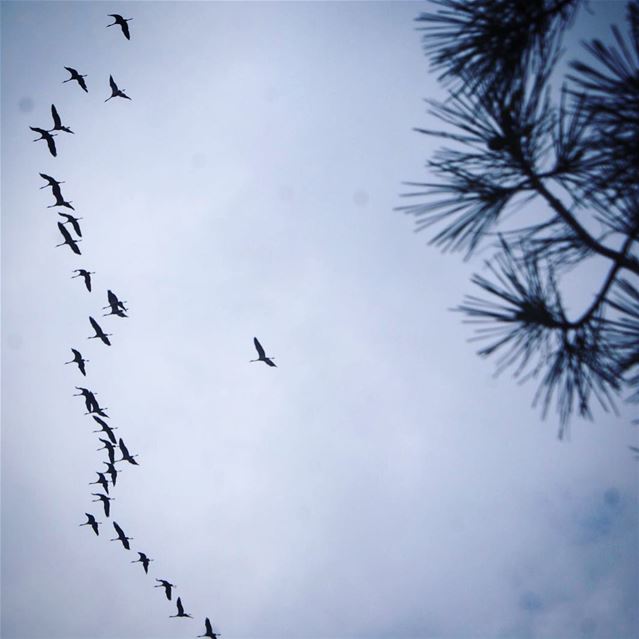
x=180, y=610
x=71, y=219
x=57, y=122
x=261, y=355
x=209, y=630
x=73, y=244
x=105, y=428
x=144, y=560
x=52, y=182
x=45, y=135
x=91, y=522
x=167, y=587
x=126, y=456
x=59, y=200
x=113, y=473
x=109, y=447
x=121, y=536
x=76, y=76
x=86, y=275
x=79, y=360
x=105, y=502
x=119, y=20
x=90, y=401
x=117, y=307
x=99, y=333
x=102, y=480
x=115, y=92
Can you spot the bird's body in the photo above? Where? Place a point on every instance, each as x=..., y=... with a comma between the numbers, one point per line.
x=91, y=522
x=59, y=200
x=52, y=182
x=106, y=502
x=48, y=137
x=209, y=630
x=103, y=481
x=105, y=428
x=122, y=22
x=73, y=221
x=121, y=536
x=117, y=307
x=167, y=587
x=144, y=560
x=57, y=122
x=99, y=333
x=73, y=244
x=110, y=448
x=126, y=456
x=111, y=470
x=261, y=355
x=180, y=610
x=115, y=92
x=84, y=274
x=77, y=77
x=90, y=401
x=79, y=360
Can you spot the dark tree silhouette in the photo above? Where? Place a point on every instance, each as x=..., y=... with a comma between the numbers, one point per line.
x=548, y=180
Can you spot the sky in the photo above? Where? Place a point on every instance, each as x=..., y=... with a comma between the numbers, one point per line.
x=380, y=482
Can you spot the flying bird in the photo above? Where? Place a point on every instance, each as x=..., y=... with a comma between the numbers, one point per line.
x=76, y=76
x=57, y=122
x=180, y=610
x=59, y=200
x=115, y=92
x=52, y=182
x=105, y=428
x=90, y=401
x=126, y=456
x=209, y=630
x=70, y=219
x=111, y=470
x=91, y=522
x=84, y=274
x=102, y=480
x=73, y=244
x=110, y=448
x=144, y=560
x=121, y=536
x=45, y=135
x=119, y=20
x=117, y=307
x=105, y=502
x=99, y=333
x=167, y=587
x=79, y=360
x=261, y=355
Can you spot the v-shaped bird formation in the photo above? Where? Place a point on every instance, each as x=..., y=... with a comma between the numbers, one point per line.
x=71, y=232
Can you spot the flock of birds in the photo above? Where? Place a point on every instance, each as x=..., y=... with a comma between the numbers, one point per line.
x=107, y=478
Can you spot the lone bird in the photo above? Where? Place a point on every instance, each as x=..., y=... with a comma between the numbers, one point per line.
x=99, y=333
x=59, y=200
x=91, y=522
x=144, y=560
x=167, y=587
x=52, y=182
x=209, y=631
x=180, y=610
x=122, y=22
x=105, y=428
x=105, y=502
x=79, y=360
x=117, y=307
x=85, y=275
x=126, y=456
x=261, y=355
x=73, y=244
x=115, y=92
x=73, y=221
x=57, y=122
x=45, y=135
x=102, y=480
x=77, y=77
x=121, y=536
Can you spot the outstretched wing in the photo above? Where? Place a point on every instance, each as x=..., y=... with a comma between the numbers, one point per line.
x=57, y=122
x=113, y=85
x=258, y=346
x=96, y=326
x=82, y=83
x=123, y=448
x=125, y=29
x=180, y=607
x=118, y=530
x=51, y=145
x=207, y=625
x=65, y=234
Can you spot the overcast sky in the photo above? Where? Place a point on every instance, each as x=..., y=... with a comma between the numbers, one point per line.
x=380, y=482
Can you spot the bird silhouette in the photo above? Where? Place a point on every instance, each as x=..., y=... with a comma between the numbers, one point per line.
x=117, y=307
x=90, y=401
x=48, y=137
x=91, y=522
x=59, y=200
x=115, y=92
x=57, y=122
x=84, y=274
x=121, y=536
x=209, y=630
x=167, y=587
x=102, y=480
x=144, y=560
x=126, y=456
x=261, y=355
x=79, y=360
x=99, y=333
x=112, y=472
x=52, y=182
x=106, y=502
x=180, y=610
x=73, y=244
x=119, y=20
x=76, y=76
x=105, y=428
x=70, y=219
x=110, y=448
